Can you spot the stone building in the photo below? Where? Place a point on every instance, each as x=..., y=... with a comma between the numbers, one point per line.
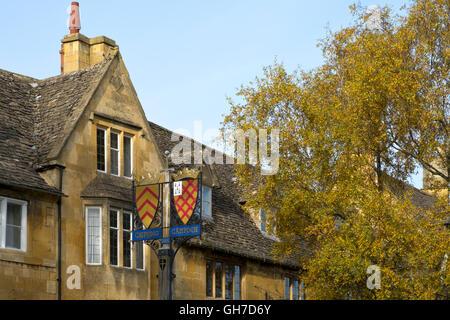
x=69, y=146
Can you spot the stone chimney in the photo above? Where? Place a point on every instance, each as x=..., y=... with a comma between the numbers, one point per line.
x=78, y=51
x=435, y=184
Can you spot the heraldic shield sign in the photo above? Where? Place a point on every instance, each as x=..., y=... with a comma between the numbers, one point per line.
x=147, y=201
x=186, y=201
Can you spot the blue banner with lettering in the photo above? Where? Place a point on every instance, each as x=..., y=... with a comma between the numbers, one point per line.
x=148, y=234
x=185, y=231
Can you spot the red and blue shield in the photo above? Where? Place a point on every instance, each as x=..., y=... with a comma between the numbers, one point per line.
x=147, y=201
x=186, y=202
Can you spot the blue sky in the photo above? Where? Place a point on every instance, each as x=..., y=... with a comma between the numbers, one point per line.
x=184, y=57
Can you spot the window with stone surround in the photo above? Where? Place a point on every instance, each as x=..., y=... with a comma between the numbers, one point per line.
x=121, y=249
x=263, y=220
x=223, y=280
x=115, y=153
x=206, y=202
x=101, y=149
x=126, y=239
x=13, y=224
x=293, y=288
x=127, y=156
x=119, y=160
x=114, y=237
x=94, y=235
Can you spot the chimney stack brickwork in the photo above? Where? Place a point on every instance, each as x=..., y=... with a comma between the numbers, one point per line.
x=81, y=52
x=435, y=184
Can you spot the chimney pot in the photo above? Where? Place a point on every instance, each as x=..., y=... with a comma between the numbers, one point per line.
x=74, y=20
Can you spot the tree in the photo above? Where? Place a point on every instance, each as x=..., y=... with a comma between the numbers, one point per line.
x=352, y=133
x=426, y=34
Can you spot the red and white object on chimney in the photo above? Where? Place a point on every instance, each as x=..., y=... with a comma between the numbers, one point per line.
x=74, y=20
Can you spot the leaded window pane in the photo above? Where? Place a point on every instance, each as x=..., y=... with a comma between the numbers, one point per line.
x=113, y=238
x=206, y=201
x=229, y=270
x=114, y=140
x=263, y=220
x=237, y=282
x=287, y=288
x=127, y=156
x=139, y=255
x=114, y=153
x=209, y=279
x=126, y=240
x=295, y=290
x=101, y=150
x=218, y=280
x=93, y=235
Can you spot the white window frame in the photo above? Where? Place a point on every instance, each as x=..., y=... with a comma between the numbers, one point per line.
x=23, y=234
x=131, y=156
x=117, y=133
x=101, y=236
x=105, y=149
x=207, y=214
x=131, y=243
x=117, y=211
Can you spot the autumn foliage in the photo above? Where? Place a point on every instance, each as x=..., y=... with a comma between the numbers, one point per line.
x=352, y=132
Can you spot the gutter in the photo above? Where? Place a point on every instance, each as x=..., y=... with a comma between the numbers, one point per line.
x=246, y=255
x=21, y=186
x=61, y=194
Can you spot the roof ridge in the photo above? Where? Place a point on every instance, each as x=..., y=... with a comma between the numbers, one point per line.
x=59, y=76
x=84, y=101
x=192, y=139
x=62, y=77
x=407, y=184
x=18, y=75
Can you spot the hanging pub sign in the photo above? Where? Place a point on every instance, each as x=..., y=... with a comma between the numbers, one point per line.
x=147, y=202
x=153, y=205
x=186, y=200
x=186, y=193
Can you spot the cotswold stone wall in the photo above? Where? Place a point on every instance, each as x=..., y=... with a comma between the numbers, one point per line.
x=32, y=274
x=114, y=107
x=259, y=281
x=20, y=280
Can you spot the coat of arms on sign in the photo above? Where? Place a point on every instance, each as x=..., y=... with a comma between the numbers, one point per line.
x=185, y=191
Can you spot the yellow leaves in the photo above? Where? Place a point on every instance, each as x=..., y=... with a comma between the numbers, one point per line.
x=375, y=97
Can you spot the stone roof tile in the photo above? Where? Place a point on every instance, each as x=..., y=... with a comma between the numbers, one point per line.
x=232, y=230
x=36, y=117
x=108, y=186
x=18, y=146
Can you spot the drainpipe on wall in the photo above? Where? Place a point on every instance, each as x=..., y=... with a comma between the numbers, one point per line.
x=61, y=170
x=59, y=204
x=61, y=52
